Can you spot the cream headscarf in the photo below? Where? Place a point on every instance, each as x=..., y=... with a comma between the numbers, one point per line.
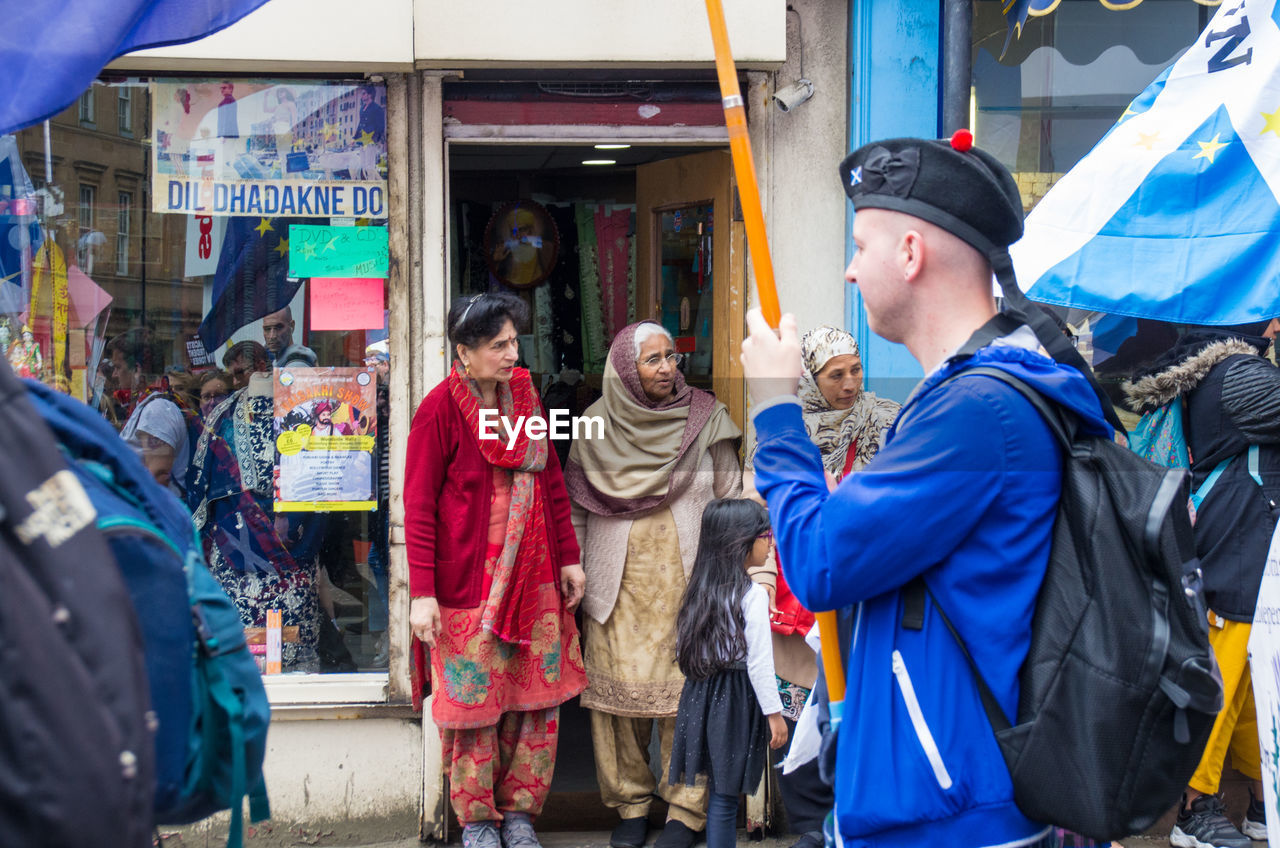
x=630, y=470
x=834, y=431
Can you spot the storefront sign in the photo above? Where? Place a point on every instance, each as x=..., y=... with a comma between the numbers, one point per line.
x=1264, y=668
x=262, y=147
x=319, y=251
x=326, y=428
x=272, y=199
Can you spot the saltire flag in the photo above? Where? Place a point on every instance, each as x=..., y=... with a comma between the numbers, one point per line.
x=53, y=49
x=1174, y=214
x=252, y=278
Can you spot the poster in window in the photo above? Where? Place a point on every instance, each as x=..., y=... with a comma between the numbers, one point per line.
x=326, y=430
x=271, y=148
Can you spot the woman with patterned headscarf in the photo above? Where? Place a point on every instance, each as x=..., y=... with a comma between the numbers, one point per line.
x=638, y=493
x=843, y=420
x=846, y=423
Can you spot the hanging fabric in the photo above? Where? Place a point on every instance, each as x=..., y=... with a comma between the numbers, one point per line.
x=613, y=246
x=594, y=347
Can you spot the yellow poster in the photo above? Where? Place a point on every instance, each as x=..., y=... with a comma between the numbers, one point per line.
x=326, y=430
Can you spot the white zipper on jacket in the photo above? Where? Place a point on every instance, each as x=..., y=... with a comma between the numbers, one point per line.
x=917, y=721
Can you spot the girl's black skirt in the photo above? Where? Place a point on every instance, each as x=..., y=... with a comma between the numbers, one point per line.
x=721, y=733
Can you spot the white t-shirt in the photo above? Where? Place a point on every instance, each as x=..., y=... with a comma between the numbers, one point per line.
x=759, y=659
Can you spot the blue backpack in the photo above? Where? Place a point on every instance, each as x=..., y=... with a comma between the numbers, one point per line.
x=206, y=690
x=1161, y=437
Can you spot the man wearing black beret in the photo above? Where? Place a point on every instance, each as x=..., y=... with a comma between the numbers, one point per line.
x=963, y=492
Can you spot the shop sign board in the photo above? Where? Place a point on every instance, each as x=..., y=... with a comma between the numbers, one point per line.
x=274, y=148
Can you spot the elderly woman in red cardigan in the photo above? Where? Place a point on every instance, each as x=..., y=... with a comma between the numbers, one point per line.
x=494, y=577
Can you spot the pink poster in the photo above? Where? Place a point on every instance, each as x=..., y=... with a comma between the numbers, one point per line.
x=347, y=303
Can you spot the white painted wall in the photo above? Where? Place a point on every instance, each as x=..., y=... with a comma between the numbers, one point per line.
x=372, y=35
x=597, y=32
x=797, y=154
x=389, y=35
x=365, y=773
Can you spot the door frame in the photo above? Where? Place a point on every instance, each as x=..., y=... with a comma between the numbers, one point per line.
x=728, y=252
x=428, y=303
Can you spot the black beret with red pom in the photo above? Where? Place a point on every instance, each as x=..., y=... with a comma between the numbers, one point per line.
x=950, y=183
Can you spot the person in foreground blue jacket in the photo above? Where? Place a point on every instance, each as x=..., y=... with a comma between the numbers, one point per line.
x=963, y=492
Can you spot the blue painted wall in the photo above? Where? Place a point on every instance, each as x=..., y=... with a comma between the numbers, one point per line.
x=894, y=91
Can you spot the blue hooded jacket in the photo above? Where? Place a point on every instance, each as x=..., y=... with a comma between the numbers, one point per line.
x=964, y=492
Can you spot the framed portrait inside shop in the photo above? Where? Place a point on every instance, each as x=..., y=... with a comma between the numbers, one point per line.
x=521, y=244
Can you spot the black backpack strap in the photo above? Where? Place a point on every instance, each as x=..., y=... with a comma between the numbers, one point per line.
x=1055, y=343
x=913, y=595
x=1000, y=325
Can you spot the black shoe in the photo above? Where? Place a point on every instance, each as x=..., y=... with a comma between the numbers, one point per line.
x=1254, y=825
x=676, y=834
x=811, y=839
x=630, y=833
x=1205, y=825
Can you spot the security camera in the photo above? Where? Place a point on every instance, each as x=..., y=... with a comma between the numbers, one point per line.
x=790, y=96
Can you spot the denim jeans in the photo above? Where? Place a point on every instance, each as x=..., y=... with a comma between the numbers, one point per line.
x=722, y=820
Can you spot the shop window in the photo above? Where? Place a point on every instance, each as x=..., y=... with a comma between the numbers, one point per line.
x=125, y=202
x=248, y=290
x=124, y=109
x=1043, y=105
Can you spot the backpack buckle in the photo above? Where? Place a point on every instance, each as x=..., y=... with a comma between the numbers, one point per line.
x=1193, y=582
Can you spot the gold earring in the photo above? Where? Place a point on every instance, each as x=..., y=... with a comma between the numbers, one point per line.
x=466, y=366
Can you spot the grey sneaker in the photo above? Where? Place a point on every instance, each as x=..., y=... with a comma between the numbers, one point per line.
x=1254, y=825
x=1205, y=825
x=517, y=831
x=482, y=834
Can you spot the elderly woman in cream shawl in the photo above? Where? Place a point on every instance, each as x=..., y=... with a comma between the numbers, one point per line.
x=638, y=495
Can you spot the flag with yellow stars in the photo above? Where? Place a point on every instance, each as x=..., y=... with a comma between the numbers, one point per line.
x=1174, y=214
x=252, y=278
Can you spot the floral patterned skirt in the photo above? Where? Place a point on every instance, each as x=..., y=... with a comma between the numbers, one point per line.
x=476, y=677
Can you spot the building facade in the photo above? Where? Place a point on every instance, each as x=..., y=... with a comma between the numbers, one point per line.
x=192, y=186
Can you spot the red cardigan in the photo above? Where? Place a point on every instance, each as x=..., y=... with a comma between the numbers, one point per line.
x=447, y=493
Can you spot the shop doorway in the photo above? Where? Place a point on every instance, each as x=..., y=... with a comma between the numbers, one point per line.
x=592, y=248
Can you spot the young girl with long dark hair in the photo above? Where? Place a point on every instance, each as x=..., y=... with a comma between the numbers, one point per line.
x=729, y=707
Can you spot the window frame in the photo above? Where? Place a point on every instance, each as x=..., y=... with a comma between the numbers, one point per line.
x=87, y=111
x=124, y=110
x=124, y=214
x=84, y=218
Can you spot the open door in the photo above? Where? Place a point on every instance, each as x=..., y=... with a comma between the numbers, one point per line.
x=690, y=267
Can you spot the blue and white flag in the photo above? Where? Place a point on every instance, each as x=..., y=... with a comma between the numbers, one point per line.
x=53, y=49
x=1174, y=214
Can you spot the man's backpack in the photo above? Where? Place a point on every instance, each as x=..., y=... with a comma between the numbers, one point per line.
x=1119, y=690
x=76, y=750
x=206, y=689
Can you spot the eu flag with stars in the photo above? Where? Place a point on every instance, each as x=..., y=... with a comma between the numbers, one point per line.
x=53, y=49
x=1174, y=214
x=252, y=278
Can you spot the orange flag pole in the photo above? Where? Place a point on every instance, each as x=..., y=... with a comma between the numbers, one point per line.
x=744, y=167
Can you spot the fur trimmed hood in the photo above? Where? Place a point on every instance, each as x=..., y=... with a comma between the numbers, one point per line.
x=1168, y=381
